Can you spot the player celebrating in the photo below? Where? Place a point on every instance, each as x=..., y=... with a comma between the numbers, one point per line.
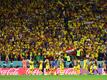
x=77, y=67
x=31, y=62
x=85, y=66
x=91, y=68
x=95, y=68
x=61, y=63
x=47, y=65
x=40, y=65
x=54, y=66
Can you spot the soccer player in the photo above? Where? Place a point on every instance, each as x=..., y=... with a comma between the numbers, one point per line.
x=95, y=68
x=91, y=68
x=40, y=65
x=54, y=66
x=24, y=63
x=77, y=67
x=47, y=64
x=61, y=61
x=85, y=66
x=31, y=62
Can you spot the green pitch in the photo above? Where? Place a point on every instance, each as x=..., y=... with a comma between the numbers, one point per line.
x=56, y=77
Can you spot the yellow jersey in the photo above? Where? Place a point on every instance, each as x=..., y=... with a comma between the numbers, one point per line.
x=31, y=64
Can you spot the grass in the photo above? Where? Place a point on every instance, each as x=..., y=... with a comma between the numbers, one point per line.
x=54, y=77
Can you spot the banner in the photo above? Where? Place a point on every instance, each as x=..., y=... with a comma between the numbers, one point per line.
x=98, y=71
x=18, y=71
x=66, y=71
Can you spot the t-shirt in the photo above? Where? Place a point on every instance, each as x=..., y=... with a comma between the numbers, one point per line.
x=68, y=58
x=78, y=53
x=31, y=63
x=54, y=63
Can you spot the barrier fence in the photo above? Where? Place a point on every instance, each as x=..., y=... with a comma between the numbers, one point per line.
x=67, y=71
x=66, y=64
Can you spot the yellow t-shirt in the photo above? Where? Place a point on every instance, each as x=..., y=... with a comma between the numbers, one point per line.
x=40, y=65
x=47, y=65
x=95, y=67
x=31, y=64
x=61, y=65
x=68, y=58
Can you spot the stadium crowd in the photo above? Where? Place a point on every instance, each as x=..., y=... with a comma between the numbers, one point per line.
x=49, y=29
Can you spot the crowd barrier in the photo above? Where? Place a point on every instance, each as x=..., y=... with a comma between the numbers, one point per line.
x=19, y=63
x=67, y=71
